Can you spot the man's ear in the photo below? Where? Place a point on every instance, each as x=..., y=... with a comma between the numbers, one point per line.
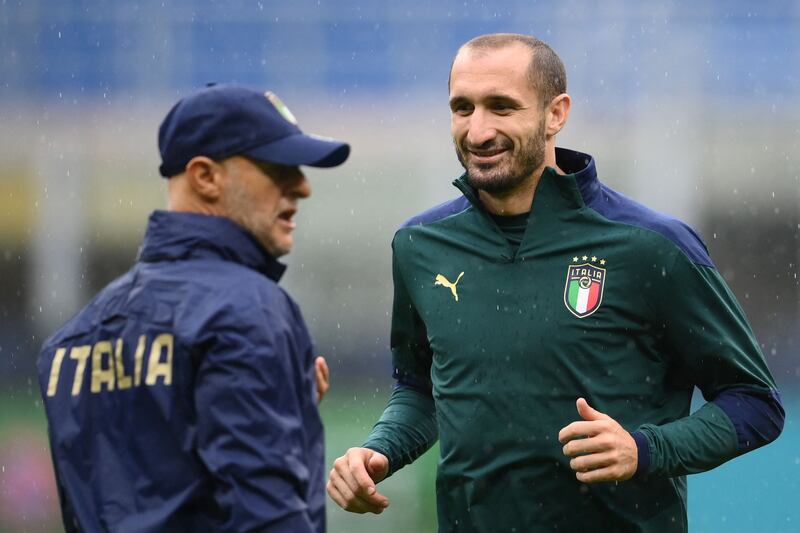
x=205, y=177
x=557, y=114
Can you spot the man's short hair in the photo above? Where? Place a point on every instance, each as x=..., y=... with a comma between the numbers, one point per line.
x=546, y=71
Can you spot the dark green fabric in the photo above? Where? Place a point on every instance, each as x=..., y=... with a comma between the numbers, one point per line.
x=709, y=339
x=406, y=429
x=507, y=360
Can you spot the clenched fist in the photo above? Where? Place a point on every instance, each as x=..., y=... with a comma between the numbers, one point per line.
x=352, y=481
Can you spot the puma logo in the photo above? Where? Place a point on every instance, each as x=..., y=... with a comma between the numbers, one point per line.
x=444, y=282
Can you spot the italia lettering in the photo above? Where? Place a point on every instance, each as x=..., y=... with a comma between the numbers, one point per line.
x=109, y=369
x=579, y=272
x=102, y=367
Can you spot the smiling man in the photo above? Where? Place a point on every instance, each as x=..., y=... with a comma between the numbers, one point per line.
x=184, y=396
x=550, y=331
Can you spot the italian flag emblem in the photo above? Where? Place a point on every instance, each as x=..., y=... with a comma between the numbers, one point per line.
x=584, y=289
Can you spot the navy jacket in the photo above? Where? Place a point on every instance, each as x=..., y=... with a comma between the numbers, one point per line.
x=182, y=398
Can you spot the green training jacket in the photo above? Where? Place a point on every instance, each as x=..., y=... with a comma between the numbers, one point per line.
x=604, y=299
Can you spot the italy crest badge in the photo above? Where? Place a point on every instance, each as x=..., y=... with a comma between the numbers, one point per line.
x=583, y=291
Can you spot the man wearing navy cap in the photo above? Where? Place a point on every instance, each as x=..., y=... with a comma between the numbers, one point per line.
x=184, y=396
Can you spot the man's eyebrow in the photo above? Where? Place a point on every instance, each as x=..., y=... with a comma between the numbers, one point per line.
x=457, y=100
x=493, y=97
x=502, y=97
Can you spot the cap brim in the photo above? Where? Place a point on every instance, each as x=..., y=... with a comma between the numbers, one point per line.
x=302, y=149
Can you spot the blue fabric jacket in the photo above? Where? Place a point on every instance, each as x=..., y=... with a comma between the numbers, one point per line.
x=182, y=398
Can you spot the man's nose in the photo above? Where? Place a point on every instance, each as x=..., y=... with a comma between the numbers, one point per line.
x=301, y=188
x=481, y=128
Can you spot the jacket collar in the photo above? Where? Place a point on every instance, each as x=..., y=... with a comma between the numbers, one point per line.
x=581, y=168
x=173, y=236
x=580, y=185
x=557, y=197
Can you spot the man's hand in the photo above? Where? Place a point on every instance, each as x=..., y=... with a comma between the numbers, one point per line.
x=323, y=377
x=352, y=481
x=601, y=448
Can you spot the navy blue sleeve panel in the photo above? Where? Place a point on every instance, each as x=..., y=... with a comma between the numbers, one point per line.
x=443, y=210
x=707, y=338
x=406, y=429
x=619, y=208
x=643, y=449
x=757, y=415
x=250, y=433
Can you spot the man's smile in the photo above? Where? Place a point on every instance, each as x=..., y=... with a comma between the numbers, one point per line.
x=489, y=152
x=487, y=156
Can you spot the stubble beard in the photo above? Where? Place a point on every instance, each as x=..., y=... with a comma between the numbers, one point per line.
x=507, y=175
x=239, y=208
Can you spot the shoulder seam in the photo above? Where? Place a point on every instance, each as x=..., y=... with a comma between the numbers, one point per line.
x=677, y=232
x=429, y=222
x=659, y=234
x=410, y=222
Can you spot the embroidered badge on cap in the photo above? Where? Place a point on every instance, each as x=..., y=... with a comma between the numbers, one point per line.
x=281, y=107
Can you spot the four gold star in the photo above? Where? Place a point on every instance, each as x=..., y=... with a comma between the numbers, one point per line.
x=586, y=257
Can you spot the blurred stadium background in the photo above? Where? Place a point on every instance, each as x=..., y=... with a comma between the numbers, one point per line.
x=690, y=107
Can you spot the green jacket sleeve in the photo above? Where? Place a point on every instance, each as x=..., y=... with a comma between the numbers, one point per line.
x=707, y=337
x=407, y=427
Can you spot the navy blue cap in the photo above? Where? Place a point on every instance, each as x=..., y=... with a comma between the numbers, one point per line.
x=221, y=121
